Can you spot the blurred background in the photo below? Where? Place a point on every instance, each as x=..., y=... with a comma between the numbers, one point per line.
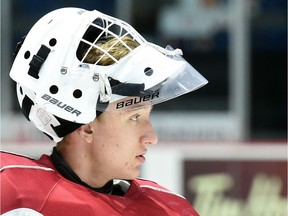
x=224, y=146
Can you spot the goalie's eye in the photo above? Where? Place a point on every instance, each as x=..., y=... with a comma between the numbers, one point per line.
x=135, y=117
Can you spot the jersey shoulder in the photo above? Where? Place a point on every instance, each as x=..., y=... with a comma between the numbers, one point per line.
x=25, y=182
x=148, y=184
x=172, y=203
x=12, y=160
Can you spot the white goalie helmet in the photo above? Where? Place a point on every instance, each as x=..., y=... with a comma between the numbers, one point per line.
x=58, y=90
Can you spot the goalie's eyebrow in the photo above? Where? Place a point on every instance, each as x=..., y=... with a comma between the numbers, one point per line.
x=138, y=108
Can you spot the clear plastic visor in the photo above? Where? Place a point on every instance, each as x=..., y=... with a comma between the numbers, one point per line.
x=167, y=85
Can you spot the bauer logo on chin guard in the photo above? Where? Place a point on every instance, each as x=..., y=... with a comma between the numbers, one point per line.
x=137, y=100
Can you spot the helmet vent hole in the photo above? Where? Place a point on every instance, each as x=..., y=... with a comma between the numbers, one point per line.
x=53, y=89
x=77, y=93
x=27, y=54
x=21, y=90
x=52, y=42
x=148, y=71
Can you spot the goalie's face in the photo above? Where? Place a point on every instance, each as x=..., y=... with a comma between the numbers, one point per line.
x=120, y=141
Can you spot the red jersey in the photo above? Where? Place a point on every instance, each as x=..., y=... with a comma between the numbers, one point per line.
x=35, y=186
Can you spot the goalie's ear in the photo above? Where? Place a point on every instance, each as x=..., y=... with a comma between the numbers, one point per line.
x=85, y=133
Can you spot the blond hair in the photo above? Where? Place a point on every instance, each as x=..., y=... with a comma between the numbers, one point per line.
x=118, y=51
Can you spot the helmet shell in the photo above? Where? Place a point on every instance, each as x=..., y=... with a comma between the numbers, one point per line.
x=55, y=85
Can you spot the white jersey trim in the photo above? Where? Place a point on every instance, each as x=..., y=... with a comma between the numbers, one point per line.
x=161, y=190
x=22, y=212
x=25, y=167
